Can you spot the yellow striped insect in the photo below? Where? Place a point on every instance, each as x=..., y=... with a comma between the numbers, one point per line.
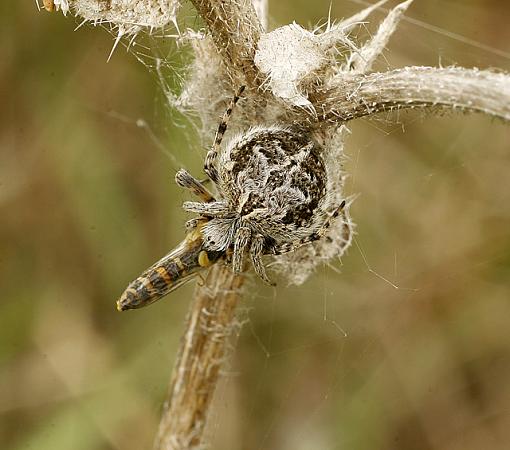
x=170, y=272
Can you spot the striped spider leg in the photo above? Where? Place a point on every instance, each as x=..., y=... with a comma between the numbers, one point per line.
x=212, y=155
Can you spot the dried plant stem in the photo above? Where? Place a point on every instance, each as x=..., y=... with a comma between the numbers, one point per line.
x=209, y=325
x=235, y=29
x=469, y=90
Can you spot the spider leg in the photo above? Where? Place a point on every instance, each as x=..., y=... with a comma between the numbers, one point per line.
x=347, y=233
x=316, y=235
x=211, y=209
x=256, y=252
x=191, y=224
x=212, y=155
x=241, y=242
x=185, y=180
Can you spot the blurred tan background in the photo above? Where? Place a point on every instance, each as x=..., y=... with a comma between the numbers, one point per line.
x=346, y=361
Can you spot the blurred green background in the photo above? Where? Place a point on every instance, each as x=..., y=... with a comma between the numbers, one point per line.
x=346, y=361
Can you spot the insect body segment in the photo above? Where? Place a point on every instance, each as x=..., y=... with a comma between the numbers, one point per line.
x=170, y=272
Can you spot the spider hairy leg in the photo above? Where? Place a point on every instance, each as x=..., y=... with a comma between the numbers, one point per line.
x=256, y=252
x=211, y=209
x=212, y=155
x=241, y=242
x=191, y=224
x=185, y=180
x=316, y=235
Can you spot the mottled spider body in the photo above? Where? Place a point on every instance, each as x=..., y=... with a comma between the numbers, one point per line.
x=272, y=198
x=272, y=183
x=276, y=171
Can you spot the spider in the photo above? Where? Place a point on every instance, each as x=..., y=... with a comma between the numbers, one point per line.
x=272, y=199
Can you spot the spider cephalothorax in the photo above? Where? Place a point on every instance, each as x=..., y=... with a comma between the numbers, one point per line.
x=272, y=198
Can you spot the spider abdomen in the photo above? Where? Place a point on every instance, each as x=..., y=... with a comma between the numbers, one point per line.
x=276, y=173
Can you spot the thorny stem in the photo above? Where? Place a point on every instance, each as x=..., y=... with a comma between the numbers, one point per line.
x=235, y=29
x=468, y=90
x=210, y=323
